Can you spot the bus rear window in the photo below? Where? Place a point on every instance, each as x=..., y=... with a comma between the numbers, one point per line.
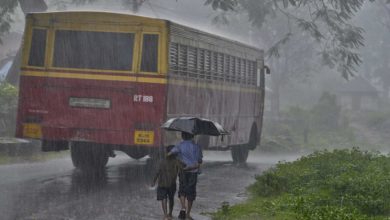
x=93, y=50
x=149, y=53
x=38, y=48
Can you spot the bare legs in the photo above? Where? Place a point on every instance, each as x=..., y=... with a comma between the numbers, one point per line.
x=164, y=208
x=183, y=202
x=167, y=215
x=189, y=206
x=185, y=207
x=171, y=204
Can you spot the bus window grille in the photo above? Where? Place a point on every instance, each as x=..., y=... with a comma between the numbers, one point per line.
x=250, y=69
x=215, y=66
x=201, y=63
x=192, y=59
x=220, y=67
x=183, y=60
x=227, y=68
x=173, y=56
x=244, y=72
x=207, y=64
x=250, y=75
x=233, y=69
x=197, y=70
x=238, y=70
x=253, y=72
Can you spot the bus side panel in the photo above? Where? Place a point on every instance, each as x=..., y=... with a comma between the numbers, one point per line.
x=246, y=114
x=213, y=77
x=187, y=97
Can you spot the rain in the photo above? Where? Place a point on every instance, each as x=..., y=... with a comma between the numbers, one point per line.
x=283, y=105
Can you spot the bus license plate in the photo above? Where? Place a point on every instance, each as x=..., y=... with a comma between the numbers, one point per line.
x=32, y=130
x=144, y=137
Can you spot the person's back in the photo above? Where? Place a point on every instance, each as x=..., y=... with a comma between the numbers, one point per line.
x=190, y=154
x=167, y=172
x=166, y=175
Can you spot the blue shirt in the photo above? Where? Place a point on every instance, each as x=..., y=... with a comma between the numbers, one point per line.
x=189, y=153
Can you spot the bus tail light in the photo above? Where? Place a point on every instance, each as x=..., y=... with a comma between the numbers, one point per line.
x=89, y=103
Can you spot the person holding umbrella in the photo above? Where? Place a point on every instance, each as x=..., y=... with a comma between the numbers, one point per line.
x=190, y=154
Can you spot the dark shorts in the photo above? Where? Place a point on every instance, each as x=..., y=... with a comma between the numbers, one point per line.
x=187, y=187
x=166, y=192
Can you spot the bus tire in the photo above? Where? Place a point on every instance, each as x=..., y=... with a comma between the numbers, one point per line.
x=136, y=153
x=88, y=156
x=253, y=137
x=239, y=154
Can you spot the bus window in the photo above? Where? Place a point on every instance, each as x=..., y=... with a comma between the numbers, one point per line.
x=149, y=60
x=93, y=50
x=38, y=48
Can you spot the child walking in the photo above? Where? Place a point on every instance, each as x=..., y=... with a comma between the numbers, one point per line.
x=166, y=176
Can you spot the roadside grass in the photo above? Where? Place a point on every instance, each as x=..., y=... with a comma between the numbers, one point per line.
x=256, y=208
x=340, y=184
x=34, y=157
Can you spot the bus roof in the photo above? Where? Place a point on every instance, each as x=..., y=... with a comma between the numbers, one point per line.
x=45, y=18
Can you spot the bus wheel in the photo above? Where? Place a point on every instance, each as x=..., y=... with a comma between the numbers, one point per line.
x=239, y=154
x=253, y=137
x=136, y=153
x=87, y=156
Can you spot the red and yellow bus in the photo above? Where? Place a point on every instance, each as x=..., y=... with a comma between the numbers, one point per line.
x=98, y=82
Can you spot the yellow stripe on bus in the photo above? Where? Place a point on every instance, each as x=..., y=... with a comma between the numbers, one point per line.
x=96, y=77
x=204, y=85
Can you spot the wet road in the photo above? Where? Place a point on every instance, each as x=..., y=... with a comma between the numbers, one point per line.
x=55, y=190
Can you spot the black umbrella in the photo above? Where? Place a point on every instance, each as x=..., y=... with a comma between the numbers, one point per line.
x=195, y=126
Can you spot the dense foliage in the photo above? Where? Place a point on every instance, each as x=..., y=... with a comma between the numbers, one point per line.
x=8, y=106
x=326, y=21
x=342, y=184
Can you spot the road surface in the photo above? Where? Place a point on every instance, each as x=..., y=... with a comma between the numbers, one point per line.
x=54, y=190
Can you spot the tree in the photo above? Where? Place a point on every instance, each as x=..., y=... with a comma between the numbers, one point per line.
x=324, y=26
x=326, y=21
x=376, y=53
x=27, y=6
x=7, y=8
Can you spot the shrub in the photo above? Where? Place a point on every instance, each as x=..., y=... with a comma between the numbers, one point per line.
x=331, y=185
x=8, y=108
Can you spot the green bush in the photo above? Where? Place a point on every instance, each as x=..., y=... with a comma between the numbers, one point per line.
x=351, y=178
x=8, y=108
x=339, y=185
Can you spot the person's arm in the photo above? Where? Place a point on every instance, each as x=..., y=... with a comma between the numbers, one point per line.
x=156, y=176
x=194, y=167
x=175, y=150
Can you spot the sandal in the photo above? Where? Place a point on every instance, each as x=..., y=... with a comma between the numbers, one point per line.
x=182, y=214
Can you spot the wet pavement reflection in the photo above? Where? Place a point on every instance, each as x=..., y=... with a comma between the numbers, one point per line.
x=121, y=191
